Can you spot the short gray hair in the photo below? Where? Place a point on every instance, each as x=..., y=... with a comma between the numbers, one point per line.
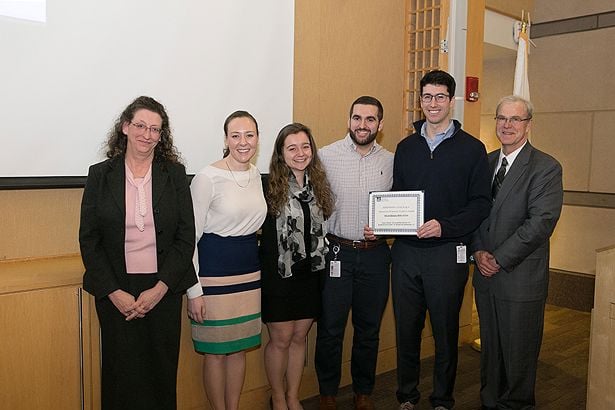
x=529, y=107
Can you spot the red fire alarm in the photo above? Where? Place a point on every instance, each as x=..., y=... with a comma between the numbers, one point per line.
x=472, y=94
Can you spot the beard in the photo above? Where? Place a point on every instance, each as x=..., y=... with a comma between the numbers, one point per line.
x=367, y=140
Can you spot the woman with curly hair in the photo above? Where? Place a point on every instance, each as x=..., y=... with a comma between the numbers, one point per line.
x=292, y=253
x=137, y=240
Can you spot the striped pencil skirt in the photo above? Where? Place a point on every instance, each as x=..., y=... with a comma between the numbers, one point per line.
x=229, y=272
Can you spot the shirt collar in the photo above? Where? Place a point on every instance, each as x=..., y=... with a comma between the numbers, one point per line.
x=510, y=158
x=447, y=133
x=350, y=144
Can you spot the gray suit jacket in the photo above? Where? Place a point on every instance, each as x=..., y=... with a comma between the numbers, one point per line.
x=517, y=231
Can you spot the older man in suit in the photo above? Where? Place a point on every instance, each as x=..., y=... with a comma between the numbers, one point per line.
x=511, y=250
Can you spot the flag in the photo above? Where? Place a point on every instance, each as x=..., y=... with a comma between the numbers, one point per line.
x=521, y=85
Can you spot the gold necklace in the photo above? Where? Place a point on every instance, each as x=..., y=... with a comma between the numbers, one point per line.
x=235, y=179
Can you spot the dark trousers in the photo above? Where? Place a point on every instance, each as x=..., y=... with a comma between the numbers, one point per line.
x=427, y=279
x=510, y=335
x=364, y=287
x=139, y=357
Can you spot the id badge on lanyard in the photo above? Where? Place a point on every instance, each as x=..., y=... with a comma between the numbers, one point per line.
x=461, y=253
x=335, y=266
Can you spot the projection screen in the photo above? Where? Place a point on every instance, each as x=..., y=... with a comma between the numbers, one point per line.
x=66, y=80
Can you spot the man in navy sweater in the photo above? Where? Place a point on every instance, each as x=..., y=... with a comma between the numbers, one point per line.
x=430, y=270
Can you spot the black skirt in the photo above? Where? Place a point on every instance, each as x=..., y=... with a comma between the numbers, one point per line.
x=293, y=298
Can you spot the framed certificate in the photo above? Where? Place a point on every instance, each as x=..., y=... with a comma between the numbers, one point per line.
x=396, y=212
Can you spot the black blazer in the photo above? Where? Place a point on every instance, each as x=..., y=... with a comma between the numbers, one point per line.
x=102, y=229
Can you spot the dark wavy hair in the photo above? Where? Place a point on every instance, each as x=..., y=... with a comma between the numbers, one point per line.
x=277, y=194
x=439, y=77
x=231, y=117
x=368, y=100
x=117, y=140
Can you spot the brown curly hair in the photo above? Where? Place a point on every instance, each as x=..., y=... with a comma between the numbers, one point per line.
x=117, y=140
x=277, y=194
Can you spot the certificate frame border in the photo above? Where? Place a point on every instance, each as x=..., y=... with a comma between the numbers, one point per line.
x=420, y=195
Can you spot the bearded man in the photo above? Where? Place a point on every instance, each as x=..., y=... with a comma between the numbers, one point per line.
x=357, y=274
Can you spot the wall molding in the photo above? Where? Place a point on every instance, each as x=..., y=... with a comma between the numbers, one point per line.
x=589, y=199
x=573, y=25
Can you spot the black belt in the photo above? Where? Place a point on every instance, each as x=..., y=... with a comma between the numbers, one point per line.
x=355, y=244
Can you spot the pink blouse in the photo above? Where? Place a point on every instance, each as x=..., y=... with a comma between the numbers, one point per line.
x=140, y=240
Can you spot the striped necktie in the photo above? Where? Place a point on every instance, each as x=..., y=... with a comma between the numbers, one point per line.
x=499, y=178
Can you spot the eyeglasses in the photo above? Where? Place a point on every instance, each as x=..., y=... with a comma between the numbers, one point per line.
x=440, y=98
x=500, y=119
x=142, y=128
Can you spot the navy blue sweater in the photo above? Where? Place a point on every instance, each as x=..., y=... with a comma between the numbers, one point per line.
x=455, y=179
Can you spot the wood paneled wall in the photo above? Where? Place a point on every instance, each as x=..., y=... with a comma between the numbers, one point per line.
x=345, y=49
